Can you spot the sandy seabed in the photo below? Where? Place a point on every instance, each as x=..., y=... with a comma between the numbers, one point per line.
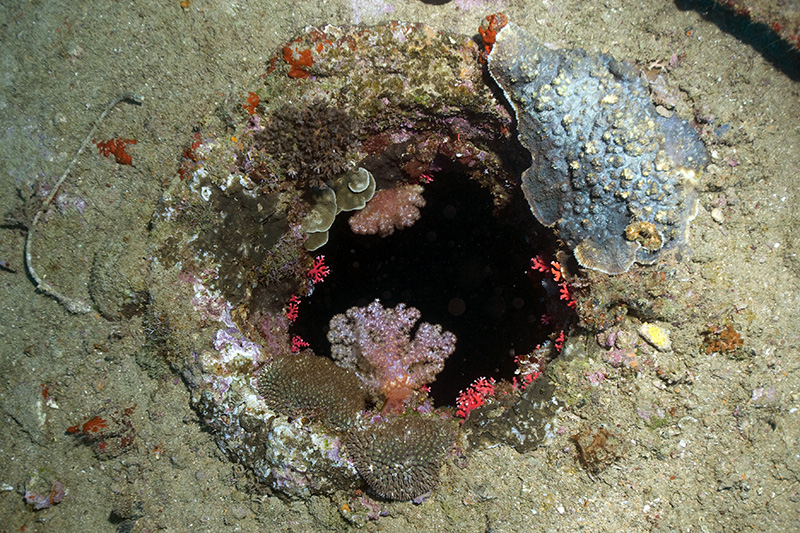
x=710, y=446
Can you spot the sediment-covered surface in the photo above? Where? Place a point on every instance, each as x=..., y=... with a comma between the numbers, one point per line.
x=676, y=385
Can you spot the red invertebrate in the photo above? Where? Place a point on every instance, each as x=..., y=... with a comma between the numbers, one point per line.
x=553, y=270
x=89, y=427
x=108, y=434
x=190, y=159
x=293, y=308
x=298, y=344
x=560, y=340
x=489, y=28
x=252, y=102
x=318, y=269
x=299, y=61
x=474, y=396
x=565, y=293
x=116, y=147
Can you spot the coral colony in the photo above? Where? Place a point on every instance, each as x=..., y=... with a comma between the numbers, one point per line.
x=613, y=177
x=364, y=124
x=375, y=343
x=389, y=209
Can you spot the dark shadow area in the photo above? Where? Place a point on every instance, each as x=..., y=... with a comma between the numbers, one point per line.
x=460, y=265
x=758, y=35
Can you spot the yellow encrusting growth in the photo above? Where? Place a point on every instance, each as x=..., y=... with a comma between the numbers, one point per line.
x=656, y=336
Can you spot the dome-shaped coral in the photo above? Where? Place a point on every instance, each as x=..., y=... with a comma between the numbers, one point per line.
x=308, y=384
x=400, y=459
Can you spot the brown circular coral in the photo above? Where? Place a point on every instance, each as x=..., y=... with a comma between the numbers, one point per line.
x=400, y=459
x=309, y=141
x=307, y=384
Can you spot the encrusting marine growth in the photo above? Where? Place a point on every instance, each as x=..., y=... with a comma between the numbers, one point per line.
x=354, y=118
x=614, y=178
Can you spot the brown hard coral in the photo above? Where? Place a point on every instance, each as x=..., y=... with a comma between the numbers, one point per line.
x=310, y=385
x=309, y=141
x=400, y=459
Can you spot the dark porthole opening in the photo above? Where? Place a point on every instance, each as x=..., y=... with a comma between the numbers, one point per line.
x=462, y=265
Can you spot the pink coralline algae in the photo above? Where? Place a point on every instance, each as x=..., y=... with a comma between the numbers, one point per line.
x=376, y=343
x=388, y=210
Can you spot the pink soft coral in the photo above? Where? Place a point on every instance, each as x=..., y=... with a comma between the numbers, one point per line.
x=376, y=343
x=388, y=210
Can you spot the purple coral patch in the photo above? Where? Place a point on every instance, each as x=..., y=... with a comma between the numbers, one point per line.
x=376, y=342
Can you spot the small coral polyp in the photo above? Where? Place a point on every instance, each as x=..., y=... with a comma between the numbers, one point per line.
x=230, y=252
